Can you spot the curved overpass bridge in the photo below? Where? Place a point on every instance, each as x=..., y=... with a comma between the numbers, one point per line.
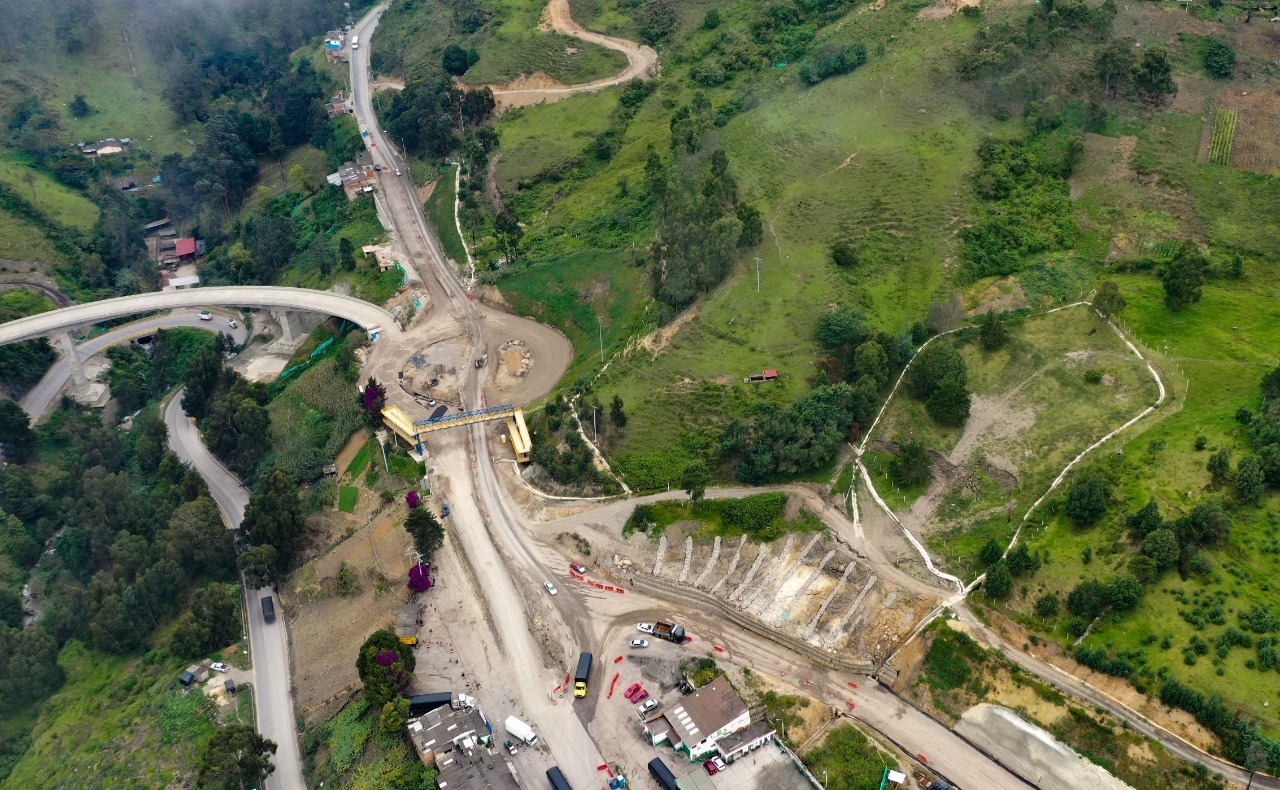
x=373, y=319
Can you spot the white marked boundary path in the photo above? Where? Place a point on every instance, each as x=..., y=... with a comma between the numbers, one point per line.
x=961, y=589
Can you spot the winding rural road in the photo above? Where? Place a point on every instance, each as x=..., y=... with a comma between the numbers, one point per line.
x=268, y=642
x=641, y=61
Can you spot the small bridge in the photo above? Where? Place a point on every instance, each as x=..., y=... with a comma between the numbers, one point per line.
x=412, y=431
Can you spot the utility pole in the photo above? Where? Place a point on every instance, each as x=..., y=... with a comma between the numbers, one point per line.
x=757, y=274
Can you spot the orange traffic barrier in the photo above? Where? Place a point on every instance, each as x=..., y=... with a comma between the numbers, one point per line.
x=852, y=685
x=850, y=704
x=616, y=660
x=719, y=649
x=923, y=759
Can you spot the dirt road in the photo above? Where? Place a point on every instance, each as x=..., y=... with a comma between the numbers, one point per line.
x=538, y=89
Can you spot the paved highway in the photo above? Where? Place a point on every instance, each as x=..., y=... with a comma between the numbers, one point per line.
x=368, y=316
x=40, y=399
x=269, y=645
x=484, y=529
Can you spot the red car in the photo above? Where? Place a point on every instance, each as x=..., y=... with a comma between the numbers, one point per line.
x=632, y=691
x=714, y=766
x=640, y=696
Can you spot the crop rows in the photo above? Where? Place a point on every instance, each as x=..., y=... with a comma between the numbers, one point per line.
x=1224, y=133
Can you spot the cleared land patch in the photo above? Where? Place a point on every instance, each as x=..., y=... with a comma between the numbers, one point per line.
x=1033, y=411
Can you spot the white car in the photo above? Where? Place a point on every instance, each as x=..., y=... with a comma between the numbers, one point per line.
x=218, y=666
x=639, y=643
x=231, y=322
x=551, y=588
x=205, y=315
x=647, y=706
x=645, y=628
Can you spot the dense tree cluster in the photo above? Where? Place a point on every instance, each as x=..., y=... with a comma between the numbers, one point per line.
x=939, y=377
x=831, y=60
x=275, y=518
x=784, y=442
x=231, y=410
x=1183, y=275
x=131, y=531
x=701, y=221
x=434, y=116
x=236, y=758
x=385, y=666
x=426, y=531
x=1026, y=207
x=139, y=376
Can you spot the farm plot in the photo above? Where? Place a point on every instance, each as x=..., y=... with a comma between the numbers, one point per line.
x=1246, y=131
x=1224, y=133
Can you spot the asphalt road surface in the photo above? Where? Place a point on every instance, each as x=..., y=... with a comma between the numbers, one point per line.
x=268, y=642
x=41, y=398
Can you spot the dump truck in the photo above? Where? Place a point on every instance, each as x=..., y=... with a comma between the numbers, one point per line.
x=669, y=631
x=521, y=730
x=582, y=675
x=421, y=703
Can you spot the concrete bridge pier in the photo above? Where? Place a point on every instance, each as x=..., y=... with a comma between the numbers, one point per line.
x=67, y=346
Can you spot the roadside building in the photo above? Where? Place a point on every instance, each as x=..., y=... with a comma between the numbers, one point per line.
x=357, y=177
x=459, y=744
x=185, y=249
x=338, y=105
x=408, y=619
x=701, y=720
x=195, y=673
x=152, y=227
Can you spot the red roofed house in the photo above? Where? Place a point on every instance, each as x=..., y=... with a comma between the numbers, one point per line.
x=186, y=249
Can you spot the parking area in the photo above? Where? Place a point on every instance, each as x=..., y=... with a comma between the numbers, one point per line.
x=766, y=768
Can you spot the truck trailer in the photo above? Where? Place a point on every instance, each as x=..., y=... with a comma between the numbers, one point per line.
x=669, y=631
x=521, y=730
x=583, y=674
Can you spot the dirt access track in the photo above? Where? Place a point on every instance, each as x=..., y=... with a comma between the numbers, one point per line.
x=539, y=88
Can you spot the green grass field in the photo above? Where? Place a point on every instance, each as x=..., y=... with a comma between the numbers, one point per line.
x=347, y=496
x=1223, y=345
x=439, y=209
x=59, y=202
x=361, y=459
x=511, y=44
x=545, y=137
x=584, y=294
x=114, y=720
x=20, y=240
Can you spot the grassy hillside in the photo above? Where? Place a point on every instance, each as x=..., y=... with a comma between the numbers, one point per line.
x=59, y=202
x=505, y=34
x=878, y=156
x=115, y=73
x=115, y=720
